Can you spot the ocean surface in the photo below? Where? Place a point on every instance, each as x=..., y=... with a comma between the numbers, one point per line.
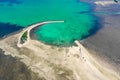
x=21, y=13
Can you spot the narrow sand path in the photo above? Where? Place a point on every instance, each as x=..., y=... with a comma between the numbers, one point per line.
x=30, y=28
x=58, y=63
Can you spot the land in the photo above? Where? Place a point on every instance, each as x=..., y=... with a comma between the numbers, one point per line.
x=11, y=68
x=94, y=58
x=57, y=63
x=25, y=35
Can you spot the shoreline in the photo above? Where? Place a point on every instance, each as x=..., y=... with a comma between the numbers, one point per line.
x=19, y=44
x=10, y=34
x=37, y=55
x=32, y=33
x=105, y=43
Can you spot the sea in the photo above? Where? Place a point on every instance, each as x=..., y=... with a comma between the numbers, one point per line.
x=78, y=22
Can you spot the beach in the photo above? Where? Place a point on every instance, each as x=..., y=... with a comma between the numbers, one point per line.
x=56, y=63
x=95, y=57
x=106, y=42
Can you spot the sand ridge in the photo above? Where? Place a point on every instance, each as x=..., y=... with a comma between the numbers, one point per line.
x=58, y=63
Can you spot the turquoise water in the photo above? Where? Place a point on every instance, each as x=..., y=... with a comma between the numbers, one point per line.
x=75, y=27
x=33, y=11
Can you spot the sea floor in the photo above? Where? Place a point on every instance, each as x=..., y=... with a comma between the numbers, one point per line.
x=106, y=42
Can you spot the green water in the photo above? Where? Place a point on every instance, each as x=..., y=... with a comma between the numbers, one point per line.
x=75, y=27
x=32, y=11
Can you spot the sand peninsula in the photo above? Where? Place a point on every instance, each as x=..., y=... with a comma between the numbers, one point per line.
x=38, y=61
x=28, y=30
x=57, y=63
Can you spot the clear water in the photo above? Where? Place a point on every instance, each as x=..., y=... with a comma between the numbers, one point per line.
x=27, y=12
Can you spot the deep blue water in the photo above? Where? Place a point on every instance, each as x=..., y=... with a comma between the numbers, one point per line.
x=10, y=2
x=7, y=28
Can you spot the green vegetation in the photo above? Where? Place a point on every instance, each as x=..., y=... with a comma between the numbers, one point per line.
x=24, y=37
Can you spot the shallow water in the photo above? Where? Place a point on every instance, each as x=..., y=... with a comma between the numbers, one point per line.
x=75, y=27
x=27, y=12
x=33, y=11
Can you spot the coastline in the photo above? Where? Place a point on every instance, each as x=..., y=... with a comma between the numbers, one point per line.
x=54, y=63
x=10, y=34
x=37, y=55
x=32, y=33
x=106, y=42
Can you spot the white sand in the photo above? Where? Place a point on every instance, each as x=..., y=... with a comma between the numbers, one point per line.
x=104, y=3
x=53, y=63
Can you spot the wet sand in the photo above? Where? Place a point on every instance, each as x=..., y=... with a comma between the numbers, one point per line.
x=58, y=63
x=106, y=42
x=97, y=62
